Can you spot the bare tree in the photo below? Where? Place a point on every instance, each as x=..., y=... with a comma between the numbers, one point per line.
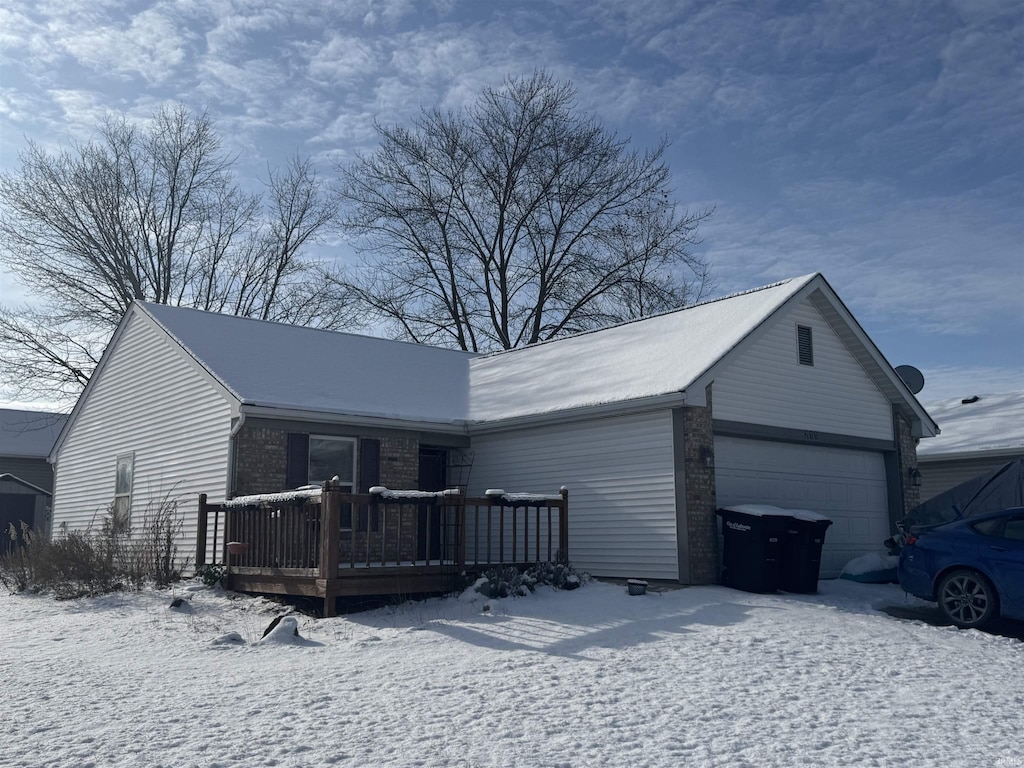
x=152, y=214
x=515, y=221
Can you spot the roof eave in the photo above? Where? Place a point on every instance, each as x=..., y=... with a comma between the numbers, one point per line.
x=967, y=453
x=79, y=403
x=579, y=413
x=8, y=477
x=870, y=358
x=265, y=411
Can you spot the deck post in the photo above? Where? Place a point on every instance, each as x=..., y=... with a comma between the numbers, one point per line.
x=563, y=527
x=330, y=534
x=204, y=516
x=460, y=512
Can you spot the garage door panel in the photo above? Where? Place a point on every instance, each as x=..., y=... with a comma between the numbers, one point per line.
x=847, y=485
x=860, y=530
x=812, y=492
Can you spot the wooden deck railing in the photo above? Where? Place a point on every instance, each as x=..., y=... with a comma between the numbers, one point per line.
x=285, y=542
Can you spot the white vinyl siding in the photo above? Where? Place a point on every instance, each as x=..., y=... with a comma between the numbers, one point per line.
x=619, y=472
x=148, y=400
x=766, y=384
x=849, y=486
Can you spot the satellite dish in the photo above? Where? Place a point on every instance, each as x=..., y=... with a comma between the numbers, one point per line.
x=912, y=377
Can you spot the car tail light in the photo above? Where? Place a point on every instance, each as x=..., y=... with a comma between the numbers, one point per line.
x=911, y=538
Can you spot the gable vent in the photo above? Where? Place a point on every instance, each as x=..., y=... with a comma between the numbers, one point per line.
x=805, y=347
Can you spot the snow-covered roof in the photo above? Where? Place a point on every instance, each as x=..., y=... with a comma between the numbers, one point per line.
x=978, y=424
x=306, y=369
x=655, y=356
x=29, y=434
x=294, y=369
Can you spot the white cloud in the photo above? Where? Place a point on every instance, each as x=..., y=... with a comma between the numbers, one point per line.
x=343, y=59
x=943, y=382
x=23, y=39
x=81, y=112
x=875, y=143
x=232, y=25
x=347, y=132
x=431, y=57
x=916, y=259
x=150, y=45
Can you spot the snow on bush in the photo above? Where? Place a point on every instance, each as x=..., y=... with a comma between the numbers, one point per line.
x=511, y=582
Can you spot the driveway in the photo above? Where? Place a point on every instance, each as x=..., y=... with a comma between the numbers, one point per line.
x=930, y=614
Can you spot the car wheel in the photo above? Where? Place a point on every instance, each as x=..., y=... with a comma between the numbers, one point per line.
x=967, y=599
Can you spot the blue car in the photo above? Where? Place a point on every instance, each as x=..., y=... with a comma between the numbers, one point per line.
x=973, y=568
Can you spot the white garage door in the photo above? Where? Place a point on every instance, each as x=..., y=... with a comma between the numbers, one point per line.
x=847, y=485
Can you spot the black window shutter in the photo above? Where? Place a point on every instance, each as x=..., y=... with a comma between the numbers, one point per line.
x=369, y=476
x=369, y=464
x=297, y=461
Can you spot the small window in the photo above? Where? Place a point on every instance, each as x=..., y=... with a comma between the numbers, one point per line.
x=1014, y=529
x=330, y=457
x=805, y=345
x=123, y=488
x=993, y=527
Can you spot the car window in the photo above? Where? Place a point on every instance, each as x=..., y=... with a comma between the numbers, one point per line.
x=1014, y=529
x=993, y=527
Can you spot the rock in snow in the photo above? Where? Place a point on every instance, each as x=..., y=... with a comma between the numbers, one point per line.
x=283, y=629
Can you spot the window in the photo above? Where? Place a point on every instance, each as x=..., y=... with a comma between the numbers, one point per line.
x=123, y=487
x=993, y=527
x=330, y=456
x=804, y=345
x=1014, y=529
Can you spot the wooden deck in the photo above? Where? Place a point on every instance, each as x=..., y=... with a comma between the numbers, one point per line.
x=326, y=544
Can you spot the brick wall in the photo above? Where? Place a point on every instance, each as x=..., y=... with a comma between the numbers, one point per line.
x=260, y=454
x=400, y=463
x=394, y=526
x=260, y=467
x=399, y=471
x=701, y=522
x=908, y=458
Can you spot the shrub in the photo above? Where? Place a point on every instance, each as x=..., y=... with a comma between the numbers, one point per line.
x=510, y=581
x=86, y=563
x=78, y=565
x=148, y=553
x=18, y=563
x=211, y=575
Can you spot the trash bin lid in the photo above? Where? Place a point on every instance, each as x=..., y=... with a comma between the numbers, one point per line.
x=809, y=515
x=758, y=510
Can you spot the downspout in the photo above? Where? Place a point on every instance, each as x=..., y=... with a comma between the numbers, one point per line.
x=235, y=429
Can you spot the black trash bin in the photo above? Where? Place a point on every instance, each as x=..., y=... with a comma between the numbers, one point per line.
x=801, y=555
x=753, y=537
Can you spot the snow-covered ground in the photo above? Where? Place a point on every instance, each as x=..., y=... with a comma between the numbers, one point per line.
x=690, y=677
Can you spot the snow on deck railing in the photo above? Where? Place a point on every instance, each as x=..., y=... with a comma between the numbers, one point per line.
x=306, y=492
x=525, y=498
x=388, y=494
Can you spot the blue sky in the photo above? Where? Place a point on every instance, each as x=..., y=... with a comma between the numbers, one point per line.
x=880, y=143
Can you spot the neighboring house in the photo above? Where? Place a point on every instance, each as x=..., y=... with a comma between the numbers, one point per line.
x=980, y=433
x=775, y=395
x=26, y=478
